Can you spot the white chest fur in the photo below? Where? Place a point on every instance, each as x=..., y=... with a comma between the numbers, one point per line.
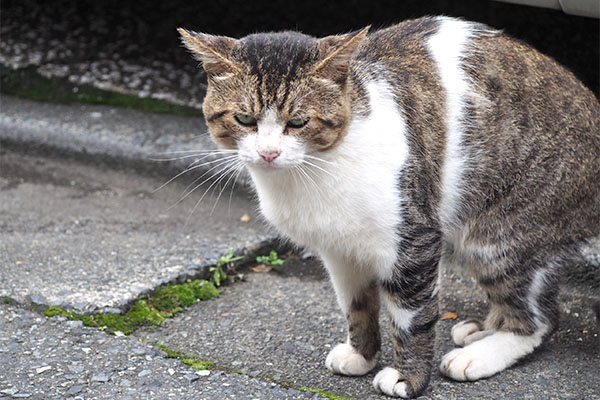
x=352, y=208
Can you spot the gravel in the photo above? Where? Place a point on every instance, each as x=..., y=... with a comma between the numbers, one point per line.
x=42, y=359
x=81, y=46
x=96, y=365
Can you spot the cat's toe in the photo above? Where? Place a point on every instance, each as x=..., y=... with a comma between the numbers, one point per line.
x=388, y=382
x=466, y=364
x=464, y=329
x=345, y=360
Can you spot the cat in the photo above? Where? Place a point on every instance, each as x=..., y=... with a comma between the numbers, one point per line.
x=378, y=150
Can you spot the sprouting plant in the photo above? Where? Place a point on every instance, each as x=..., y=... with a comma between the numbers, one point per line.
x=218, y=275
x=272, y=259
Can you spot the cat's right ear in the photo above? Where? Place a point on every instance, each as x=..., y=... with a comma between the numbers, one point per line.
x=213, y=51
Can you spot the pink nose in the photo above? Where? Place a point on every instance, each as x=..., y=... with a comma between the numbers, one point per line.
x=269, y=155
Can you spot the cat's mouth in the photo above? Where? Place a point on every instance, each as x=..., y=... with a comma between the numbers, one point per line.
x=276, y=165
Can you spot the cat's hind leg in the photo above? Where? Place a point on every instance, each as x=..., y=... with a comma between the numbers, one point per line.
x=523, y=312
x=358, y=297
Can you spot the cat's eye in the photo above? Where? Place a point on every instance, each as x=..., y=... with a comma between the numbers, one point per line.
x=297, y=122
x=245, y=120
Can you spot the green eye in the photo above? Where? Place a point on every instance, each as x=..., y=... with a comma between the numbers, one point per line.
x=245, y=120
x=297, y=123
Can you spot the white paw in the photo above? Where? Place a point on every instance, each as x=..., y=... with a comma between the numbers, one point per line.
x=388, y=382
x=344, y=359
x=488, y=356
x=462, y=330
x=463, y=365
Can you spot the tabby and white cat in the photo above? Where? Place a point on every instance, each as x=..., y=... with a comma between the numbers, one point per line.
x=376, y=149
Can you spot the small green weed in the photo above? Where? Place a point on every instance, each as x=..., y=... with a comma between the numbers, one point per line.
x=272, y=259
x=218, y=275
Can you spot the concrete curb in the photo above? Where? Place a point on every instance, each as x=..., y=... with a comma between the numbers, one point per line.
x=116, y=134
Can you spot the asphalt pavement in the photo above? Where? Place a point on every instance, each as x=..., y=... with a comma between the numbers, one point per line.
x=82, y=226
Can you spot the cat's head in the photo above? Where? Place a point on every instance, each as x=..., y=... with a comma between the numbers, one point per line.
x=275, y=97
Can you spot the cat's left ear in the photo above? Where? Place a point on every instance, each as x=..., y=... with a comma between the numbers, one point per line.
x=335, y=53
x=213, y=51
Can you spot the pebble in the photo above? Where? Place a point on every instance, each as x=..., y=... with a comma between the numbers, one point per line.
x=191, y=377
x=100, y=378
x=75, y=368
x=74, y=324
x=9, y=391
x=43, y=369
x=74, y=390
x=144, y=373
x=138, y=351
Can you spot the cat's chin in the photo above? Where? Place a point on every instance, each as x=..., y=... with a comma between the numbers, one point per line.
x=270, y=168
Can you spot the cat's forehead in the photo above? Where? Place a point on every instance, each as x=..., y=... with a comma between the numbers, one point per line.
x=280, y=56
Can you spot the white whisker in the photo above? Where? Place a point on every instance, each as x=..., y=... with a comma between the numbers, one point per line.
x=237, y=175
x=301, y=173
x=307, y=171
x=320, y=159
x=190, y=168
x=218, y=164
x=204, y=155
x=318, y=167
x=198, y=151
x=223, y=172
x=237, y=166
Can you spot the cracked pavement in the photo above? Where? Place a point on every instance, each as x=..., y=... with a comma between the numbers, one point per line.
x=81, y=226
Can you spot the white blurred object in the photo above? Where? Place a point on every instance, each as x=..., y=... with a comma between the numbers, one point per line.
x=583, y=8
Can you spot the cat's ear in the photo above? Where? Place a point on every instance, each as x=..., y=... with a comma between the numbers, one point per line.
x=213, y=51
x=335, y=53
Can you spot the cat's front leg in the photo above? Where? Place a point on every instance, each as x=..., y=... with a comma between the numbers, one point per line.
x=358, y=296
x=410, y=295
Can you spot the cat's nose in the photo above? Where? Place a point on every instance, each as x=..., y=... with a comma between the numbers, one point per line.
x=269, y=155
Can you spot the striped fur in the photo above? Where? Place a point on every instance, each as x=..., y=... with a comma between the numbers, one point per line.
x=434, y=132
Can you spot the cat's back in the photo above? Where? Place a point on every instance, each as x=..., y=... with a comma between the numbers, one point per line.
x=496, y=124
x=497, y=69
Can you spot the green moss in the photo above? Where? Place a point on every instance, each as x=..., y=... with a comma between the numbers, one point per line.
x=141, y=313
x=8, y=300
x=172, y=299
x=203, y=365
x=204, y=290
x=187, y=360
x=162, y=303
x=181, y=294
x=28, y=84
x=55, y=310
x=324, y=394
